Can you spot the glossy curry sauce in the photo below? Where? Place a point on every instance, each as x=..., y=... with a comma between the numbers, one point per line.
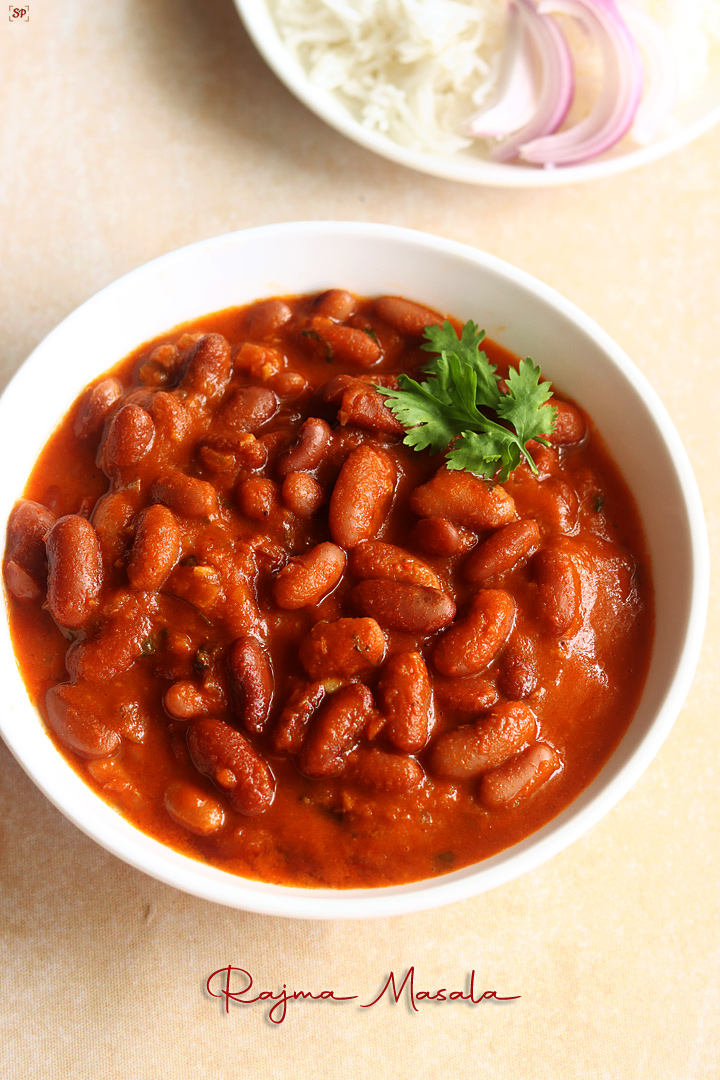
x=187, y=685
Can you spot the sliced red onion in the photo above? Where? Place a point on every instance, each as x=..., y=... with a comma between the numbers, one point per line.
x=556, y=81
x=661, y=84
x=514, y=101
x=613, y=113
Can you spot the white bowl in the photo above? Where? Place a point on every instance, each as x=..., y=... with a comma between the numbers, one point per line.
x=516, y=310
x=691, y=119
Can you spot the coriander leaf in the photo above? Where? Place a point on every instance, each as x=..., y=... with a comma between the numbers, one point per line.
x=461, y=408
x=147, y=648
x=492, y=453
x=465, y=351
x=438, y=410
x=523, y=404
x=439, y=339
x=464, y=383
x=475, y=452
x=425, y=415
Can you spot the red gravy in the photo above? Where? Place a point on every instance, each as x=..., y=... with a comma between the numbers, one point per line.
x=279, y=641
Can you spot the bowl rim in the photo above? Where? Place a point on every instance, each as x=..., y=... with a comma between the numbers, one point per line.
x=107, y=827
x=265, y=35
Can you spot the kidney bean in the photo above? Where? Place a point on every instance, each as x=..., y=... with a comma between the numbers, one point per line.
x=379, y=771
x=124, y=638
x=74, y=571
x=26, y=558
x=405, y=700
x=276, y=443
x=397, y=606
x=293, y=721
x=335, y=730
x=518, y=675
x=253, y=684
x=218, y=461
x=545, y=457
x=438, y=536
x=20, y=583
x=263, y=320
x=345, y=647
x=519, y=777
x=185, y=700
x=249, y=408
x=250, y=454
x=337, y=304
x=308, y=578
x=97, y=404
x=111, y=519
x=361, y=497
x=240, y=611
x=155, y=549
x=259, y=499
x=570, y=425
x=309, y=449
x=72, y=714
x=233, y=765
x=558, y=590
x=132, y=722
x=374, y=559
x=345, y=344
x=470, y=645
x=130, y=437
x=474, y=748
x=503, y=550
x=470, y=696
x=334, y=390
x=115, y=783
x=208, y=367
x=362, y=406
x=406, y=316
x=560, y=505
x=193, y=808
x=289, y=384
x=186, y=495
x=302, y=494
x=465, y=500
x=551, y=501
x=142, y=396
x=173, y=422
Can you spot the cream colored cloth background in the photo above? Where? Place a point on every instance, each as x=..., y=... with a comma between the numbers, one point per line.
x=132, y=127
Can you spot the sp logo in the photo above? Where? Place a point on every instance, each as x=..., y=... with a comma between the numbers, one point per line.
x=19, y=14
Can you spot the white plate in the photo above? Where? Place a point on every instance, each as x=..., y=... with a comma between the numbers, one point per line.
x=692, y=119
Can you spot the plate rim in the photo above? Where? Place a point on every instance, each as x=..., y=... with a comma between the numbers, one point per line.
x=264, y=34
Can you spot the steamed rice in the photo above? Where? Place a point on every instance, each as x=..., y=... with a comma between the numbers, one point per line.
x=415, y=70
x=411, y=69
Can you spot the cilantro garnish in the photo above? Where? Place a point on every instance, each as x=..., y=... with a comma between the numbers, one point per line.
x=461, y=406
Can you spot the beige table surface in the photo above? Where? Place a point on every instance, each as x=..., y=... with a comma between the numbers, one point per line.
x=132, y=127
